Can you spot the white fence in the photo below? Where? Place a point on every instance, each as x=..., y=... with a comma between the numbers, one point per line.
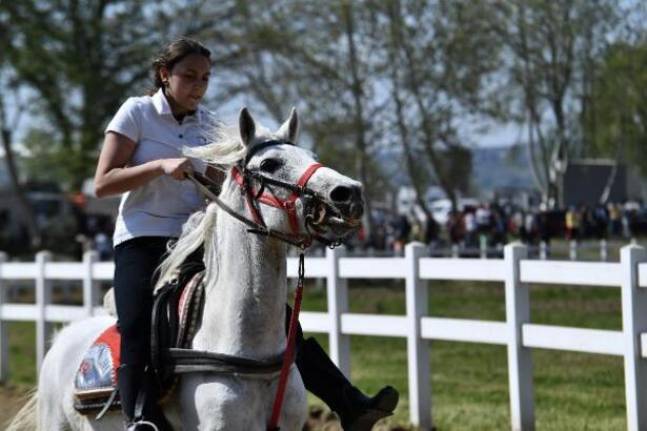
x=573, y=250
x=516, y=332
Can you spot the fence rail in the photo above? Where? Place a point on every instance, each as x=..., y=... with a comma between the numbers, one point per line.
x=586, y=249
x=418, y=271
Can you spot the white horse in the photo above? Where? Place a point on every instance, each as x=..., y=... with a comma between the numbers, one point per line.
x=245, y=294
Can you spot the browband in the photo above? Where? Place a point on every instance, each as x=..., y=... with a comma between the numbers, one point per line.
x=258, y=147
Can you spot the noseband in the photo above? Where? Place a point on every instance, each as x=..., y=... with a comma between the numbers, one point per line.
x=312, y=202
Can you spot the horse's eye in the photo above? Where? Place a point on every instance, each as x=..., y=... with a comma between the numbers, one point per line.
x=270, y=165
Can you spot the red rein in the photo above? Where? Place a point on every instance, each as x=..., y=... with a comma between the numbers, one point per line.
x=288, y=356
x=288, y=205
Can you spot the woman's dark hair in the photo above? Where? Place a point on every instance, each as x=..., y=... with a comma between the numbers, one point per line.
x=172, y=54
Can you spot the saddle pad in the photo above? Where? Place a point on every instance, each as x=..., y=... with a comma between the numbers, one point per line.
x=98, y=370
x=189, y=307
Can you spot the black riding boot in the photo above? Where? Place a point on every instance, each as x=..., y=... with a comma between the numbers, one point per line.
x=322, y=377
x=138, y=395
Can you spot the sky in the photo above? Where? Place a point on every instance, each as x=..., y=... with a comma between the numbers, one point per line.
x=499, y=135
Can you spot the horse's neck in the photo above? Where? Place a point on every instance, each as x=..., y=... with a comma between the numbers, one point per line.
x=244, y=310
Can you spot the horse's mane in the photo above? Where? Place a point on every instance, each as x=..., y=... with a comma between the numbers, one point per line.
x=225, y=150
x=226, y=147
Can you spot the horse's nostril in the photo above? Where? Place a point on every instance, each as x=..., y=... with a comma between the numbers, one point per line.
x=341, y=194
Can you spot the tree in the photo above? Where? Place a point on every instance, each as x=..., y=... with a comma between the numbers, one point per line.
x=550, y=46
x=616, y=124
x=317, y=56
x=82, y=59
x=336, y=61
x=8, y=125
x=439, y=55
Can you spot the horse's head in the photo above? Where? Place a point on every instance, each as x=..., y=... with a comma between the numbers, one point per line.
x=289, y=189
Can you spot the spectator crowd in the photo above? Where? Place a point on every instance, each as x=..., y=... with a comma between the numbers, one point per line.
x=492, y=225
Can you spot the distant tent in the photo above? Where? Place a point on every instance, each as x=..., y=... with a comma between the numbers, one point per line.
x=592, y=181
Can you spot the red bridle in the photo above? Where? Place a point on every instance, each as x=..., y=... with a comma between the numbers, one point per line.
x=288, y=205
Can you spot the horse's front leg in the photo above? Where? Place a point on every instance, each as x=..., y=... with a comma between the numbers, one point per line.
x=212, y=404
x=295, y=407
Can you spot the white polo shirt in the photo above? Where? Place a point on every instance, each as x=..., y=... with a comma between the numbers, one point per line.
x=160, y=207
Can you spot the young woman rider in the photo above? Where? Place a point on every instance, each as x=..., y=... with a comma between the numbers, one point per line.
x=141, y=159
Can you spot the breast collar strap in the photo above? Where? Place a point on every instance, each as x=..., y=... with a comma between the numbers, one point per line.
x=288, y=205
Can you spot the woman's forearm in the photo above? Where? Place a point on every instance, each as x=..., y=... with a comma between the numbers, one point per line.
x=120, y=180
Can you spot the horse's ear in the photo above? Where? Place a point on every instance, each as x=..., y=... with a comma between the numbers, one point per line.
x=247, y=126
x=290, y=129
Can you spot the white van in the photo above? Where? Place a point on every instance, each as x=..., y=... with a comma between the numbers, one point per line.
x=440, y=208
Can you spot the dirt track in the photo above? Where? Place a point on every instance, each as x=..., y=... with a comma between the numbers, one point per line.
x=11, y=399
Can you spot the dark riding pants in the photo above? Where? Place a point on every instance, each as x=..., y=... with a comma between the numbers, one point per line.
x=135, y=263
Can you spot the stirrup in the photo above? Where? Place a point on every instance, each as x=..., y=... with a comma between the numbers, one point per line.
x=135, y=426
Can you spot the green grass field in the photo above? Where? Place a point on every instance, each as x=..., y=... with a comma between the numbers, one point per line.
x=572, y=391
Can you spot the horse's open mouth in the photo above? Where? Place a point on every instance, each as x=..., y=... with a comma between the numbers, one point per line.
x=325, y=219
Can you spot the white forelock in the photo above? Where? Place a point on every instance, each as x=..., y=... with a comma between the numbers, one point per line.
x=226, y=147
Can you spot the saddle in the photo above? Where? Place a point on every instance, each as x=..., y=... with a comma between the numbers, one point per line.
x=176, y=312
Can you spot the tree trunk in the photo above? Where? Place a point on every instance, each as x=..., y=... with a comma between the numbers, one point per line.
x=401, y=122
x=358, y=114
x=25, y=207
x=427, y=129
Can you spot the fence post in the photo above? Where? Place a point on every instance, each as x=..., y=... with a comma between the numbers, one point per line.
x=483, y=246
x=337, y=293
x=320, y=283
x=543, y=250
x=634, y=322
x=517, y=300
x=43, y=298
x=90, y=292
x=572, y=250
x=4, y=335
x=417, y=348
x=604, y=250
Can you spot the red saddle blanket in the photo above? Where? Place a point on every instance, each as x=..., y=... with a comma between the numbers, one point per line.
x=96, y=377
x=99, y=365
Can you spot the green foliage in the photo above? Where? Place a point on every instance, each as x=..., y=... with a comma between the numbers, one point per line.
x=616, y=123
x=550, y=48
x=440, y=55
x=80, y=60
x=49, y=163
x=346, y=66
